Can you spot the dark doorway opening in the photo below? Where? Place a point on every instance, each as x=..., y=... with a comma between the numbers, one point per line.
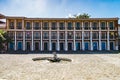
x=69, y=46
x=36, y=46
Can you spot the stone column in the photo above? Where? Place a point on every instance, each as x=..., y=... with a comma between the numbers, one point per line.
x=91, y=43
x=32, y=38
x=23, y=34
x=41, y=44
x=66, y=44
x=58, y=43
x=15, y=35
x=74, y=37
x=50, y=44
x=99, y=36
x=108, y=42
x=82, y=36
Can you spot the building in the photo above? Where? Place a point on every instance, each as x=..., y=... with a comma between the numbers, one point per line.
x=62, y=34
x=118, y=36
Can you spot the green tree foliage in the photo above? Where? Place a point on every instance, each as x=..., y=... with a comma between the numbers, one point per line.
x=82, y=16
x=4, y=39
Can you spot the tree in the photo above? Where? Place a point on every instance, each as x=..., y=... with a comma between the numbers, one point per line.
x=82, y=16
x=4, y=39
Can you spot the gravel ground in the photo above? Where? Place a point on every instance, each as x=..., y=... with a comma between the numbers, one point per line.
x=82, y=67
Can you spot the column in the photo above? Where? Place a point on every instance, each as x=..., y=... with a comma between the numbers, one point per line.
x=66, y=44
x=116, y=42
x=15, y=35
x=23, y=40
x=82, y=36
x=32, y=37
x=15, y=42
x=99, y=36
x=108, y=42
x=41, y=44
x=58, y=42
x=23, y=35
x=50, y=47
x=91, y=43
x=74, y=37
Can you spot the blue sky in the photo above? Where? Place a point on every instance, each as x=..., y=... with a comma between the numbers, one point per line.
x=60, y=8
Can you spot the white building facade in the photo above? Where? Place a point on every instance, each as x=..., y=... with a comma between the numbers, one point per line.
x=62, y=34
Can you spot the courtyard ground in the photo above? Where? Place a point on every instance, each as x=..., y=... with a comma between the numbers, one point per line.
x=82, y=67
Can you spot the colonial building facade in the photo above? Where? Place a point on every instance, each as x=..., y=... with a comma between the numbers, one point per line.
x=62, y=34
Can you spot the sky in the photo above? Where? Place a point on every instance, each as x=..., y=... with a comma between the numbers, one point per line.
x=60, y=8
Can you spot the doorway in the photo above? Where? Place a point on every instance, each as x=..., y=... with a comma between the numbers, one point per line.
x=19, y=46
x=69, y=46
x=111, y=46
x=53, y=46
x=77, y=46
x=95, y=46
x=28, y=46
x=36, y=46
x=61, y=46
x=45, y=46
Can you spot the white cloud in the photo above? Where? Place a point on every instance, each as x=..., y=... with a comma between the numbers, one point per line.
x=26, y=7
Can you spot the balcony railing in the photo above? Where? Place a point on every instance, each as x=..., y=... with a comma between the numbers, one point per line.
x=19, y=37
x=103, y=37
x=62, y=28
x=28, y=37
x=36, y=27
x=86, y=38
x=28, y=27
x=62, y=37
x=69, y=28
x=70, y=37
x=45, y=28
x=103, y=28
x=78, y=37
x=19, y=27
x=94, y=37
x=53, y=28
x=86, y=28
x=36, y=37
x=11, y=27
x=77, y=28
x=45, y=37
x=53, y=37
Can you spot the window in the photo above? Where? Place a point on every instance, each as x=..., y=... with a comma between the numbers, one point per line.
x=103, y=25
x=86, y=35
x=69, y=25
x=11, y=25
x=77, y=25
x=19, y=35
x=62, y=35
x=70, y=35
x=28, y=25
x=111, y=26
x=86, y=25
x=54, y=25
x=78, y=35
x=36, y=35
x=36, y=25
x=45, y=35
x=45, y=26
x=103, y=35
x=19, y=25
x=61, y=26
x=53, y=35
x=95, y=35
x=94, y=25
x=11, y=35
x=28, y=35
x=111, y=35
